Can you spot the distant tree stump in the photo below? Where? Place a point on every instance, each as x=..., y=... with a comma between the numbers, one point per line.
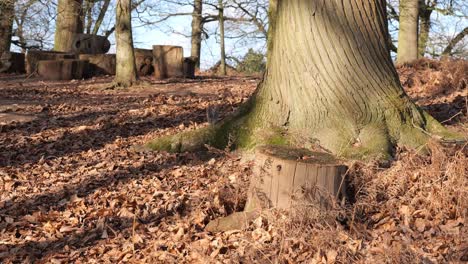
x=168, y=61
x=100, y=64
x=34, y=56
x=12, y=62
x=189, y=67
x=144, y=62
x=284, y=178
x=62, y=69
x=90, y=44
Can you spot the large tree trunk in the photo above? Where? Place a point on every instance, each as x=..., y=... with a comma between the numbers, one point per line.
x=222, y=66
x=69, y=22
x=408, y=33
x=6, y=23
x=425, y=12
x=126, y=73
x=197, y=27
x=330, y=80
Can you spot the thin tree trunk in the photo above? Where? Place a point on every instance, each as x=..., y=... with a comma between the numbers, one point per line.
x=89, y=15
x=425, y=12
x=459, y=37
x=69, y=22
x=100, y=19
x=222, y=65
x=408, y=33
x=197, y=27
x=126, y=74
x=6, y=24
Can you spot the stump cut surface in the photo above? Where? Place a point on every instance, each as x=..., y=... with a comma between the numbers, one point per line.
x=286, y=176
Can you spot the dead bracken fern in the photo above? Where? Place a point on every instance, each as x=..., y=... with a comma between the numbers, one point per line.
x=412, y=212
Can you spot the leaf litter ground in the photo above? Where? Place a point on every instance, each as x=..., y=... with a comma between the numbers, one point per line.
x=73, y=190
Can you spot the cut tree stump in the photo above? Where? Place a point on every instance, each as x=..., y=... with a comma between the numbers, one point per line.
x=189, y=67
x=90, y=44
x=100, y=64
x=34, y=56
x=12, y=62
x=168, y=62
x=62, y=69
x=287, y=178
x=284, y=177
x=144, y=61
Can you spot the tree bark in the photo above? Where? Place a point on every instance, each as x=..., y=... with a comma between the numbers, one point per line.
x=197, y=27
x=88, y=15
x=100, y=19
x=408, y=33
x=69, y=22
x=126, y=74
x=329, y=80
x=7, y=13
x=425, y=13
x=222, y=66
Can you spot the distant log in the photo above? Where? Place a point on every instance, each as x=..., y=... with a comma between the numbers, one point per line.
x=168, y=61
x=144, y=62
x=190, y=64
x=90, y=44
x=100, y=64
x=12, y=62
x=62, y=69
x=34, y=56
x=286, y=178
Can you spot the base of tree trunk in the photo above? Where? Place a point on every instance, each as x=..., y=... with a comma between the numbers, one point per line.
x=12, y=62
x=34, y=56
x=100, y=64
x=287, y=177
x=62, y=69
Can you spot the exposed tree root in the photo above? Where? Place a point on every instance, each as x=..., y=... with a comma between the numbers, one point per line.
x=376, y=140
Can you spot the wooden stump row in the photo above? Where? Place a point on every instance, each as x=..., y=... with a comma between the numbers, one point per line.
x=100, y=64
x=62, y=69
x=34, y=56
x=162, y=61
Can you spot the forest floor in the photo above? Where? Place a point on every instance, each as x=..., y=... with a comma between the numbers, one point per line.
x=73, y=190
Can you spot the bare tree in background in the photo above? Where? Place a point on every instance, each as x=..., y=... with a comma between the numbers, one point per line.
x=126, y=74
x=222, y=65
x=69, y=22
x=6, y=24
x=408, y=34
x=438, y=19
